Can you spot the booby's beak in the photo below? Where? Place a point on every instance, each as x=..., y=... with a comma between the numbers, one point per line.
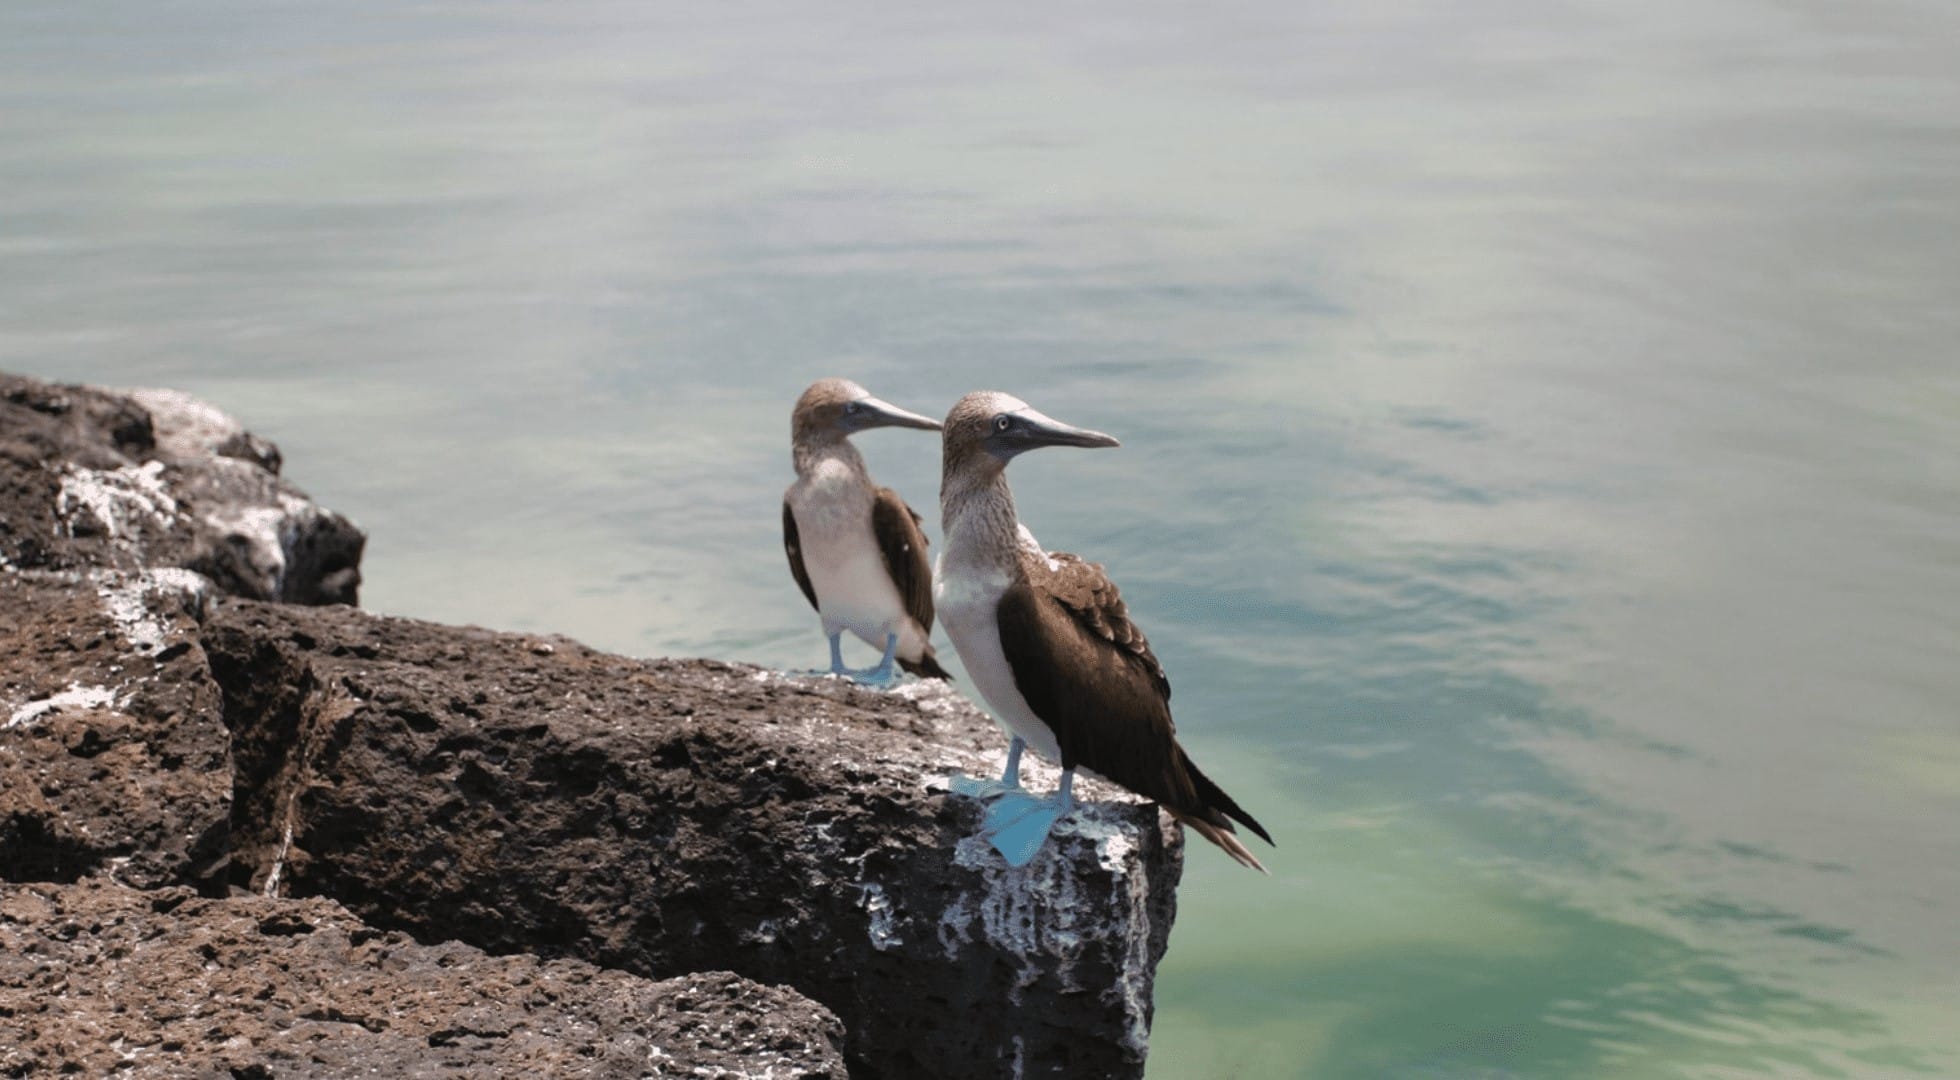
x=1026, y=429
x=870, y=412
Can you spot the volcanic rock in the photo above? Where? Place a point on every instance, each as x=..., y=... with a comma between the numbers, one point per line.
x=94, y=479
x=113, y=746
x=101, y=980
x=518, y=792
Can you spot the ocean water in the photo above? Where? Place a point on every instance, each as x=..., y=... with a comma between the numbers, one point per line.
x=1541, y=465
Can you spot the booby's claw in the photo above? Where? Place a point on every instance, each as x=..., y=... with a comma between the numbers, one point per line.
x=820, y=673
x=884, y=675
x=1010, y=778
x=870, y=678
x=976, y=788
x=874, y=678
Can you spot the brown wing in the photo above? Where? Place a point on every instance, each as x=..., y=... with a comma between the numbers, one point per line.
x=896, y=527
x=1088, y=671
x=794, y=547
x=1088, y=594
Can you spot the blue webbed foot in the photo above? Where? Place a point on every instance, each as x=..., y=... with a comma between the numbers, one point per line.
x=885, y=674
x=870, y=678
x=1017, y=824
x=882, y=677
x=1010, y=780
x=836, y=663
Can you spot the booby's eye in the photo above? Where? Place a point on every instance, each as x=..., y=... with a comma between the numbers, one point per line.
x=851, y=406
x=1003, y=422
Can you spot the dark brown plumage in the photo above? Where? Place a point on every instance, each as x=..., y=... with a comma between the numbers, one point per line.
x=1086, y=669
x=793, y=546
x=903, y=544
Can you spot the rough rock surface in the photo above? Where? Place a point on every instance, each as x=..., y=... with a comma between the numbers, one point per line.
x=519, y=794
x=120, y=515
x=97, y=980
x=153, y=479
x=662, y=816
x=113, y=746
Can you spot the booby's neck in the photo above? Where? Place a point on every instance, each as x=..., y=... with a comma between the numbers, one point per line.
x=813, y=455
x=977, y=516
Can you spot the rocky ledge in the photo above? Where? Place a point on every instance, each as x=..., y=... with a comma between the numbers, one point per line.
x=192, y=755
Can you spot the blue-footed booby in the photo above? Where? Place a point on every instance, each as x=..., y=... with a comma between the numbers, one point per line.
x=1047, y=641
x=854, y=547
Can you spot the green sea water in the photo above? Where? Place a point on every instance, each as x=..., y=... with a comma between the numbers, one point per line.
x=1541, y=466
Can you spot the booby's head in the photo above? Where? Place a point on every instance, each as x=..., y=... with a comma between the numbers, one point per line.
x=834, y=408
x=987, y=429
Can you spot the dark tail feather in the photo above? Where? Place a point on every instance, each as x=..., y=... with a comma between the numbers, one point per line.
x=925, y=667
x=1213, y=797
x=1222, y=835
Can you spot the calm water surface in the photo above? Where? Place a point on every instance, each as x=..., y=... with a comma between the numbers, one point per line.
x=1541, y=468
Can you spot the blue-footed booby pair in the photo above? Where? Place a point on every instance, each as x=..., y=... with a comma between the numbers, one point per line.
x=1047, y=641
x=854, y=547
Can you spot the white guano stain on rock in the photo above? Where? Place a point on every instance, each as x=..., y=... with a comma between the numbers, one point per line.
x=884, y=932
x=127, y=601
x=184, y=425
x=931, y=695
x=279, y=861
x=120, y=500
x=1045, y=915
x=765, y=932
x=76, y=696
x=953, y=927
x=268, y=532
x=1134, y=977
x=1114, y=850
x=1083, y=906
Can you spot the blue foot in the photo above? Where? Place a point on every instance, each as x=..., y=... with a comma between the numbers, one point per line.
x=882, y=677
x=885, y=674
x=1017, y=824
x=836, y=663
x=871, y=678
x=878, y=678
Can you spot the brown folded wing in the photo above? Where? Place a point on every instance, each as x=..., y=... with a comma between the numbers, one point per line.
x=794, y=548
x=1087, y=671
x=896, y=527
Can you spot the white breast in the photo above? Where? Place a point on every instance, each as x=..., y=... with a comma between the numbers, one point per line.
x=967, y=594
x=854, y=588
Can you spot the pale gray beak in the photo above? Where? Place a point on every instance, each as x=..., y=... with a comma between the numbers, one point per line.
x=870, y=412
x=1027, y=429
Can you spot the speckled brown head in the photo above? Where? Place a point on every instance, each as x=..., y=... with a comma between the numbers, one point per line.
x=987, y=429
x=835, y=408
